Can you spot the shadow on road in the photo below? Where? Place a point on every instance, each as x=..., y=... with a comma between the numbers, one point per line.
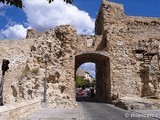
x=85, y=99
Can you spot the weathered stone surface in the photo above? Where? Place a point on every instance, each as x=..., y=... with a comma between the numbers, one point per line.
x=138, y=104
x=120, y=34
x=19, y=111
x=118, y=72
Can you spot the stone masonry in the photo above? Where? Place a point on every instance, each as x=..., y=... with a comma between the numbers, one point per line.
x=118, y=72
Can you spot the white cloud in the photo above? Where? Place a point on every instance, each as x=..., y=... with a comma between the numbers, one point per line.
x=90, y=67
x=13, y=32
x=1, y=5
x=42, y=16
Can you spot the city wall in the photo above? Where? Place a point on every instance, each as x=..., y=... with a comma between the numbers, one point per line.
x=111, y=49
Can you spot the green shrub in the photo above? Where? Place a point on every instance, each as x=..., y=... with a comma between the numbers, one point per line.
x=35, y=71
x=25, y=71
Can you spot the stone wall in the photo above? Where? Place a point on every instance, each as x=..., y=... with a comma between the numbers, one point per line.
x=120, y=34
x=19, y=111
x=17, y=52
x=26, y=74
x=111, y=49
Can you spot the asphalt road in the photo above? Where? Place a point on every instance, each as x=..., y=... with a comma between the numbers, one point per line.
x=89, y=110
x=101, y=111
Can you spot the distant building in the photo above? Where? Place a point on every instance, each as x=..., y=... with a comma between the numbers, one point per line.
x=85, y=74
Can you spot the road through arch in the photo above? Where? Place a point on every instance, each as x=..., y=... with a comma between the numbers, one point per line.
x=103, y=82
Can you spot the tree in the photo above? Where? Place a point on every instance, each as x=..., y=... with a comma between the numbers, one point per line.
x=19, y=4
x=79, y=81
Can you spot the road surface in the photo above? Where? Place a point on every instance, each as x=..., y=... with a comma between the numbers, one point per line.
x=88, y=110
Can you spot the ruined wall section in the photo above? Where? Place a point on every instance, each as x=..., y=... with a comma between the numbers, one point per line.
x=17, y=52
x=109, y=14
x=60, y=45
x=143, y=28
x=24, y=79
x=118, y=45
x=125, y=80
x=146, y=29
x=120, y=34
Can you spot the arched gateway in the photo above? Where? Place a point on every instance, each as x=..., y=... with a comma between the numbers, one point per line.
x=103, y=82
x=121, y=73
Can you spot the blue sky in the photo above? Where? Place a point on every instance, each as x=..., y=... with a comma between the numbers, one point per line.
x=15, y=21
x=90, y=67
x=148, y=8
x=40, y=15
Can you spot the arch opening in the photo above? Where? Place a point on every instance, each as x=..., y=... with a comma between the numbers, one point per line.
x=102, y=73
x=86, y=81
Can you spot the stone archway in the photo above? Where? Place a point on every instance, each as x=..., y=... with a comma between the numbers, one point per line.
x=103, y=82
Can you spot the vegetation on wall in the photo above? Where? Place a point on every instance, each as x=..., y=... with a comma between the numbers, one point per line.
x=35, y=70
x=25, y=71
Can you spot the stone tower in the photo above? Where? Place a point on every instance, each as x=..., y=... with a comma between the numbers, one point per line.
x=103, y=1
x=109, y=14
